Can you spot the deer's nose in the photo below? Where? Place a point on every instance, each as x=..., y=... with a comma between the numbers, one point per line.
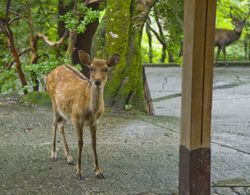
x=98, y=82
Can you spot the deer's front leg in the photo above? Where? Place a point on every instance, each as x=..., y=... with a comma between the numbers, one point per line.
x=218, y=54
x=79, y=131
x=225, y=55
x=97, y=169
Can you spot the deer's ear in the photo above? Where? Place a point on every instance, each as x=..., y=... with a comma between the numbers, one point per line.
x=84, y=57
x=113, y=60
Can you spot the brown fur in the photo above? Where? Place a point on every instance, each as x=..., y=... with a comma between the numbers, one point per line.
x=224, y=37
x=79, y=99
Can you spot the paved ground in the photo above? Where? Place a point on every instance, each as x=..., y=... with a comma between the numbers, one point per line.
x=138, y=154
x=230, y=119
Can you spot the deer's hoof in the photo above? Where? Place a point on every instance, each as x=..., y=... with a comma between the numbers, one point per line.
x=70, y=160
x=100, y=176
x=80, y=177
x=53, y=157
x=79, y=173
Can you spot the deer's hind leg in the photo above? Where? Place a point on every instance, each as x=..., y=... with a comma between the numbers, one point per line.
x=55, y=113
x=225, y=55
x=61, y=123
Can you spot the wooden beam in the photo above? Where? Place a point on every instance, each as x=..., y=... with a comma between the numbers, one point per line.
x=197, y=76
x=208, y=73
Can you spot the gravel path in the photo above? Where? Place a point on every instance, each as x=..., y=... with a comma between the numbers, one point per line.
x=138, y=154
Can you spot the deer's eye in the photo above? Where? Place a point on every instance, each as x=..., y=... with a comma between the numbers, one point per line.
x=105, y=70
x=92, y=69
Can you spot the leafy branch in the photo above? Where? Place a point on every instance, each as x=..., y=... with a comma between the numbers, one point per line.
x=79, y=18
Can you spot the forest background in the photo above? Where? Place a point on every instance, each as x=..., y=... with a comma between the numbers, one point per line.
x=39, y=35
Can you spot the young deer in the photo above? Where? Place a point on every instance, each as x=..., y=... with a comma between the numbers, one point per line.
x=224, y=37
x=80, y=99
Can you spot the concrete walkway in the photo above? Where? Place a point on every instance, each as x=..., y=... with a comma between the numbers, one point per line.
x=230, y=120
x=138, y=153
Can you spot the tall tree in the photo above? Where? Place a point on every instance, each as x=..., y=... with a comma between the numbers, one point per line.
x=5, y=27
x=161, y=37
x=124, y=25
x=149, y=35
x=83, y=40
x=168, y=16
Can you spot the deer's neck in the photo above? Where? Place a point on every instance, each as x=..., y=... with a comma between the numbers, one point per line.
x=97, y=99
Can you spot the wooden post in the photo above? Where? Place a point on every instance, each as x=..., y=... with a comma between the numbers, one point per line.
x=197, y=76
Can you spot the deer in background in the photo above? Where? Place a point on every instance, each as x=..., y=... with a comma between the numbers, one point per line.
x=77, y=98
x=224, y=37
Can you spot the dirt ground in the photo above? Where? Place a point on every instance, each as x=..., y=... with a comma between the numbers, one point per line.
x=138, y=153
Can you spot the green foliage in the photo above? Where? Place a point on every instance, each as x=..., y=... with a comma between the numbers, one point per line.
x=41, y=69
x=79, y=17
x=37, y=98
x=44, y=18
x=156, y=47
x=170, y=15
x=2, y=7
x=43, y=15
x=239, y=9
x=8, y=81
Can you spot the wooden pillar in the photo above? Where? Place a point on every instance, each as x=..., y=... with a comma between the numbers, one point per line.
x=197, y=76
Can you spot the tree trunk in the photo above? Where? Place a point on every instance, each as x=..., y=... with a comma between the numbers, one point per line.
x=124, y=34
x=116, y=41
x=98, y=41
x=62, y=10
x=170, y=55
x=71, y=43
x=33, y=50
x=150, y=49
x=163, y=53
x=84, y=40
x=15, y=55
x=5, y=28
